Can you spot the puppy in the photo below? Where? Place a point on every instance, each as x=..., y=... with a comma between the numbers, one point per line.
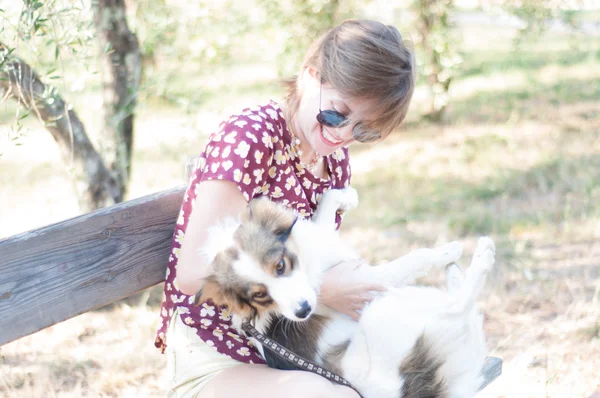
x=411, y=341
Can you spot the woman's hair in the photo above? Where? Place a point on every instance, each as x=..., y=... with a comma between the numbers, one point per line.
x=364, y=59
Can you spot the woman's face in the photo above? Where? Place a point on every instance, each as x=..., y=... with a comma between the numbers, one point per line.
x=326, y=140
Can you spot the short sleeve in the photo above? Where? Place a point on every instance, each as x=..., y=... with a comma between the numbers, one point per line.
x=241, y=152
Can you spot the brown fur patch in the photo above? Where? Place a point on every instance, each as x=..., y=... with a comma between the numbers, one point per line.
x=420, y=372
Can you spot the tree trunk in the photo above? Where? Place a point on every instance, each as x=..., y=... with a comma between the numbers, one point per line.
x=95, y=185
x=121, y=66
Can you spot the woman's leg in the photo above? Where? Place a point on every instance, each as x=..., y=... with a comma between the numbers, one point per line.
x=260, y=381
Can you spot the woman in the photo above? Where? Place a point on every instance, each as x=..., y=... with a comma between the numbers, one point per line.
x=355, y=85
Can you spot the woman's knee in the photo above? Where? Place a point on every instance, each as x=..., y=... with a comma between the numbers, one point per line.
x=310, y=385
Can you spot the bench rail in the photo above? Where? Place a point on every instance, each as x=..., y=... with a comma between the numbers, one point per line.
x=60, y=271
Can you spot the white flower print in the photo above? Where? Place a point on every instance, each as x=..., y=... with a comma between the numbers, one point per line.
x=242, y=149
x=306, y=183
x=269, y=126
x=256, y=126
x=247, y=179
x=240, y=123
x=279, y=157
x=258, y=155
x=207, y=310
x=227, y=165
x=266, y=139
x=180, y=219
x=176, y=251
x=338, y=171
x=230, y=345
x=179, y=237
x=168, y=287
x=230, y=138
x=210, y=343
x=244, y=351
x=264, y=190
x=252, y=137
x=237, y=175
x=273, y=172
x=277, y=193
x=216, y=137
x=218, y=333
x=256, y=118
x=290, y=182
x=188, y=320
x=215, y=152
x=226, y=152
x=246, y=163
x=298, y=189
x=258, y=174
x=205, y=323
x=272, y=113
x=303, y=213
x=246, y=196
x=339, y=155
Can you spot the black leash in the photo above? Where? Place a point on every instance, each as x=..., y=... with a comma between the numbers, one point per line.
x=294, y=358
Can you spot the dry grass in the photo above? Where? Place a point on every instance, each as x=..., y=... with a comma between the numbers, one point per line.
x=518, y=159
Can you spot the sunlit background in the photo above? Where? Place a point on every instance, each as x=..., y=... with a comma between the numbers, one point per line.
x=503, y=139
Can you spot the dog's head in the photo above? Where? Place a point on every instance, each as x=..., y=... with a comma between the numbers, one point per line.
x=255, y=268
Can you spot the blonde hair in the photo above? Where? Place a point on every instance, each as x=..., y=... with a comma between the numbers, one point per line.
x=364, y=59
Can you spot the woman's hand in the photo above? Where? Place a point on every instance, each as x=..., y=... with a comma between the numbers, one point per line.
x=345, y=289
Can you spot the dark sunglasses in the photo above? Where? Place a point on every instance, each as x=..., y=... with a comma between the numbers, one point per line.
x=335, y=119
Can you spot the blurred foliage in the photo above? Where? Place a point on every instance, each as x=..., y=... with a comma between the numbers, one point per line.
x=297, y=23
x=439, y=45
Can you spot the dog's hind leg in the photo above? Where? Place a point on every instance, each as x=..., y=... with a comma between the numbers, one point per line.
x=454, y=278
x=474, y=280
x=405, y=270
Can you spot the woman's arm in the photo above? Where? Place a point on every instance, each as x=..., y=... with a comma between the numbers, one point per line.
x=345, y=289
x=216, y=201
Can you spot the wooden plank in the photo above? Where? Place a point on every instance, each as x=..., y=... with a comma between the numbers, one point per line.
x=492, y=369
x=63, y=270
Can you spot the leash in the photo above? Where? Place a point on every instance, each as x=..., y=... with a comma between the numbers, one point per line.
x=294, y=358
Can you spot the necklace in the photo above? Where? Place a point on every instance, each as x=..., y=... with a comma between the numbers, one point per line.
x=310, y=165
x=297, y=152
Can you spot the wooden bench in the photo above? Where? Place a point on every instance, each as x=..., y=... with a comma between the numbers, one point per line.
x=60, y=271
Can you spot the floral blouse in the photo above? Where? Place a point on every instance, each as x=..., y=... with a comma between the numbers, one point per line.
x=252, y=149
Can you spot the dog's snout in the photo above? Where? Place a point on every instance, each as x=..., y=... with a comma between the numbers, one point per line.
x=304, y=310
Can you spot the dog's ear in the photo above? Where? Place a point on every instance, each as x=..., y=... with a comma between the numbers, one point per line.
x=210, y=290
x=272, y=217
x=222, y=295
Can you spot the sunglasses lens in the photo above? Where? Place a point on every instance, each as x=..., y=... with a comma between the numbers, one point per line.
x=331, y=118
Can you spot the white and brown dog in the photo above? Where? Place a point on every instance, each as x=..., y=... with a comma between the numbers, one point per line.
x=411, y=341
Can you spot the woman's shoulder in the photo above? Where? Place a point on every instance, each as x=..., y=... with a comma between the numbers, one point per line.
x=267, y=117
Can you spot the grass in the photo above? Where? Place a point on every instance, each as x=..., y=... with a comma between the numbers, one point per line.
x=516, y=158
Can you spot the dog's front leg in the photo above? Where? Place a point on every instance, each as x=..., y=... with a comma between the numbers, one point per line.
x=405, y=270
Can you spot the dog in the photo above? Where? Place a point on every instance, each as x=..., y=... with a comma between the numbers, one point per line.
x=410, y=341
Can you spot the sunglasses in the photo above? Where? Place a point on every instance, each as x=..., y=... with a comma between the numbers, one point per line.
x=335, y=119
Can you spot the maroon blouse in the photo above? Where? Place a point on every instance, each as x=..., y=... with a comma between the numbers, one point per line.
x=252, y=149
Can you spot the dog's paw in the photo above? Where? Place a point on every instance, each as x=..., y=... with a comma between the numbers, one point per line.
x=340, y=199
x=348, y=199
x=485, y=254
x=446, y=254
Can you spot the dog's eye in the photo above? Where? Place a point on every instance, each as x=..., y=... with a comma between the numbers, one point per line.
x=280, y=267
x=259, y=295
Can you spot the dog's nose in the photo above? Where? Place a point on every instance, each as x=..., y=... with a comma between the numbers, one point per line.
x=304, y=310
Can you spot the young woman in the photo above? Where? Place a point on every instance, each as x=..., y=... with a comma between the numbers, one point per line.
x=355, y=85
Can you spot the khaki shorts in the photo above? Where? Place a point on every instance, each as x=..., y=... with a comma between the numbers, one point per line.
x=191, y=363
